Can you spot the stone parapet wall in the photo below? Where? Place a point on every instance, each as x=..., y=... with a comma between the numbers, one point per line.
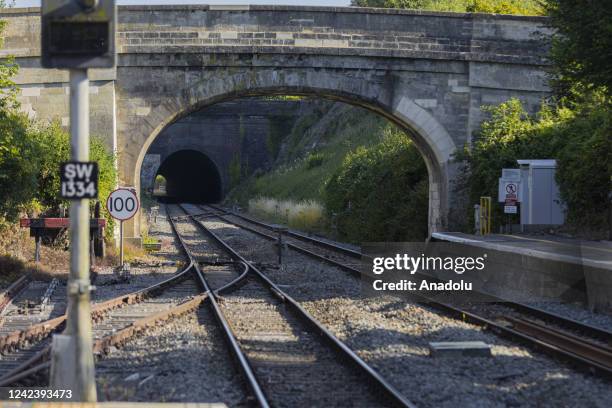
x=271, y=29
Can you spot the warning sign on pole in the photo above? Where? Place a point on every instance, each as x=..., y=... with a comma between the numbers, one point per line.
x=511, y=188
x=509, y=191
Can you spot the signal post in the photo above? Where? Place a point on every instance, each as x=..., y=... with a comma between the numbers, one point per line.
x=77, y=35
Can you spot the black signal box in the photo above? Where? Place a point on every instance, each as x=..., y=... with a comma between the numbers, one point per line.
x=78, y=33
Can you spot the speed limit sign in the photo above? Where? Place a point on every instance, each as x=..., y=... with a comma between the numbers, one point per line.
x=122, y=204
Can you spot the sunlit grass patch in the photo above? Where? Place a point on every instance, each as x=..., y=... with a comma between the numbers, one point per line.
x=307, y=215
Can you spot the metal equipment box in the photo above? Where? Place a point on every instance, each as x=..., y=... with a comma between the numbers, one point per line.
x=541, y=203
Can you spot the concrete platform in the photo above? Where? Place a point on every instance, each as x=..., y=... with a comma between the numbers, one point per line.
x=547, y=266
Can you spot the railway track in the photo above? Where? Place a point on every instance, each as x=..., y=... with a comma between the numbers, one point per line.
x=22, y=332
x=8, y=295
x=34, y=302
x=287, y=357
x=25, y=351
x=322, y=250
x=587, y=346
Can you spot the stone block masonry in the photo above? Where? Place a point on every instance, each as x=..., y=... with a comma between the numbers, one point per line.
x=428, y=72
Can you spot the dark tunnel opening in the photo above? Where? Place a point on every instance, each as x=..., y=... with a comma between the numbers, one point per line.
x=191, y=177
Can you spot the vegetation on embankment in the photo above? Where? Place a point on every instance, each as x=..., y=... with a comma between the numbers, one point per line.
x=380, y=193
x=520, y=7
x=336, y=161
x=310, y=151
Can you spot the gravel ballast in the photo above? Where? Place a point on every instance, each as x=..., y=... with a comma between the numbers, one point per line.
x=185, y=360
x=182, y=360
x=393, y=335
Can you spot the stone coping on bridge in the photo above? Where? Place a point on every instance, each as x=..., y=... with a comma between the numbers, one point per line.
x=314, y=9
x=295, y=30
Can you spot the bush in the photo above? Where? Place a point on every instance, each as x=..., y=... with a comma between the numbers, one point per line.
x=380, y=193
x=314, y=160
x=520, y=7
x=19, y=164
x=55, y=148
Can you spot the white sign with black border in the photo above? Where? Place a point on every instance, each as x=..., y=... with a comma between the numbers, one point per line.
x=122, y=204
x=78, y=180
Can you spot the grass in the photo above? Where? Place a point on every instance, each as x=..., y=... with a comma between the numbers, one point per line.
x=11, y=269
x=17, y=255
x=308, y=215
x=133, y=253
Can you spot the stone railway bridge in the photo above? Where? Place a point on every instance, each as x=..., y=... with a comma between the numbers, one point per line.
x=427, y=72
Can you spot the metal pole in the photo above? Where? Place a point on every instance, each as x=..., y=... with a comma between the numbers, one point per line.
x=121, y=244
x=75, y=369
x=37, y=238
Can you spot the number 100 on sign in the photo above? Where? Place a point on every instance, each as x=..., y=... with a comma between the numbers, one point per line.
x=122, y=204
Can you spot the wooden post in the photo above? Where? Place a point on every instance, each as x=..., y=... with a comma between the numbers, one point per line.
x=92, y=249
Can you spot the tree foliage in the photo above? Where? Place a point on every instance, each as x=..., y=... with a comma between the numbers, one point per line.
x=585, y=159
x=55, y=149
x=17, y=176
x=18, y=163
x=30, y=157
x=522, y=7
x=380, y=193
x=582, y=43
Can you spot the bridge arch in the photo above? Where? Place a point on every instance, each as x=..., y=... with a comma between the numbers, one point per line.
x=430, y=137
